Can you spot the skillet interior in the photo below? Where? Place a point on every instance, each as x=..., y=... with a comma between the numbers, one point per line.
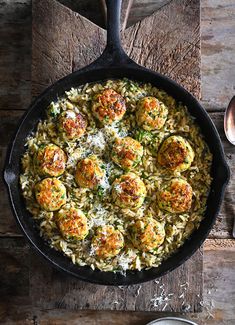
x=219, y=171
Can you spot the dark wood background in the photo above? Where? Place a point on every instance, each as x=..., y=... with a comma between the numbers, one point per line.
x=218, y=84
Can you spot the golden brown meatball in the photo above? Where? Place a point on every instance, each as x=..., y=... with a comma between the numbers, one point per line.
x=147, y=234
x=50, y=160
x=50, y=194
x=128, y=191
x=127, y=152
x=175, y=154
x=71, y=125
x=89, y=172
x=175, y=196
x=151, y=113
x=107, y=242
x=109, y=106
x=72, y=223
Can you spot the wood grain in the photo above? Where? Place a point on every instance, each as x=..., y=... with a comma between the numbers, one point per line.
x=172, y=49
x=15, y=54
x=9, y=120
x=218, y=44
x=89, y=9
x=16, y=308
x=217, y=78
x=14, y=280
x=62, y=40
x=144, y=8
x=169, y=42
x=66, y=292
x=224, y=222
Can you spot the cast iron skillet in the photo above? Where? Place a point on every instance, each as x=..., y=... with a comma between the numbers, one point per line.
x=114, y=63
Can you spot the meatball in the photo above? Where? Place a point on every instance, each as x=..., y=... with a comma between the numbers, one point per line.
x=71, y=125
x=175, y=196
x=50, y=160
x=72, y=223
x=107, y=242
x=89, y=172
x=128, y=191
x=147, y=234
x=127, y=152
x=50, y=194
x=175, y=154
x=109, y=106
x=151, y=113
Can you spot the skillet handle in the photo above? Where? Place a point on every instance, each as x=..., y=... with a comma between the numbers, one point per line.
x=113, y=27
x=113, y=54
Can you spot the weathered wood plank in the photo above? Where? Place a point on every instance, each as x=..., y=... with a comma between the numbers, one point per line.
x=169, y=42
x=219, y=279
x=14, y=268
x=219, y=263
x=15, y=54
x=62, y=40
x=89, y=9
x=219, y=244
x=144, y=8
x=218, y=44
x=9, y=120
x=224, y=222
x=125, y=12
x=153, y=42
x=95, y=11
x=139, y=9
x=14, y=279
x=69, y=293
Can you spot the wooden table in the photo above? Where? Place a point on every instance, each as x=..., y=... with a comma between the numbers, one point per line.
x=218, y=86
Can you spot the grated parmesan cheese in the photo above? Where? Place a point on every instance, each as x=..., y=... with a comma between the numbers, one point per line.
x=70, y=114
x=161, y=299
x=105, y=183
x=124, y=261
x=96, y=141
x=99, y=213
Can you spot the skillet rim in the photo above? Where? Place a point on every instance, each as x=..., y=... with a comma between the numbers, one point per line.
x=9, y=177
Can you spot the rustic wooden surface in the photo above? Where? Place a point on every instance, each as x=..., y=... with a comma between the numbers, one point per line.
x=168, y=41
x=63, y=41
x=66, y=292
x=170, y=48
x=217, y=78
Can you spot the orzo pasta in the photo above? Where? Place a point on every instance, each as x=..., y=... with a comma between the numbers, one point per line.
x=117, y=176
